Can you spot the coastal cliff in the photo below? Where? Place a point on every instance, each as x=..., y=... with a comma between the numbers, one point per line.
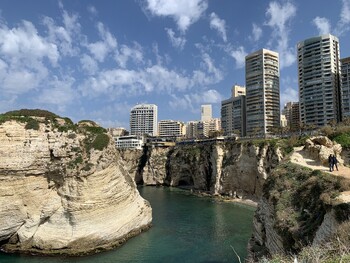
x=63, y=189
x=218, y=168
x=304, y=209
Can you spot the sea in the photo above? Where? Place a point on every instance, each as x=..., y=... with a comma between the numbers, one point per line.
x=185, y=228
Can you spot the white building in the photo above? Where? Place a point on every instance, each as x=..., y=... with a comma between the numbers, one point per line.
x=143, y=119
x=206, y=112
x=319, y=80
x=171, y=128
x=262, y=92
x=129, y=142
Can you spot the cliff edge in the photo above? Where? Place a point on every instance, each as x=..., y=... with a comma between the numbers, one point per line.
x=63, y=189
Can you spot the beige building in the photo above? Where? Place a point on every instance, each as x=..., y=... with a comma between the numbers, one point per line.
x=206, y=112
x=319, y=80
x=233, y=112
x=291, y=111
x=168, y=128
x=262, y=92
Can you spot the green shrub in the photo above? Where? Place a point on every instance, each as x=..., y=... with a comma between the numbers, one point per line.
x=32, y=124
x=32, y=112
x=343, y=139
x=100, y=142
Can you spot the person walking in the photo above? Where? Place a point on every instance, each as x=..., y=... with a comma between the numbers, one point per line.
x=330, y=162
x=334, y=162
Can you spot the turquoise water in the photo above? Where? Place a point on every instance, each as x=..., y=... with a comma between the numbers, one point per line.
x=185, y=228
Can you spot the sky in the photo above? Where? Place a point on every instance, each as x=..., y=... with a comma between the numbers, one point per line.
x=96, y=59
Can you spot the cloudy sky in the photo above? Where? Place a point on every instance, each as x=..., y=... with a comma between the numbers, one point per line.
x=96, y=59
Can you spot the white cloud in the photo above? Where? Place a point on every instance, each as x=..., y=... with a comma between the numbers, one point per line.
x=92, y=10
x=129, y=53
x=184, y=12
x=239, y=55
x=89, y=64
x=343, y=24
x=24, y=43
x=24, y=56
x=211, y=68
x=256, y=33
x=289, y=92
x=322, y=25
x=219, y=25
x=192, y=100
x=101, y=49
x=178, y=42
x=59, y=92
x=279, y=17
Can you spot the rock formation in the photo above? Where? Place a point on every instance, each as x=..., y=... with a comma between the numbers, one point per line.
x=63, y=189
x=219, y=168
x=320, y=147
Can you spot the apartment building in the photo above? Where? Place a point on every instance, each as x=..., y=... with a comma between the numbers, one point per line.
x=233, y=112
x=168, y=128
x=143, y=119
x=345, y=86
x=319, y=80
x=262, y=92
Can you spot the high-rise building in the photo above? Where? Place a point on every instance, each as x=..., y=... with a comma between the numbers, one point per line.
x=206, y=112
x=233, y=112
x=345, y=86
x=171, y=128
x=262, y=92
x=291, y=111
x=143, y=119
x=319, y=80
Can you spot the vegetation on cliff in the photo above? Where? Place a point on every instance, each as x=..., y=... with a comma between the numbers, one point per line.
x=301, y=197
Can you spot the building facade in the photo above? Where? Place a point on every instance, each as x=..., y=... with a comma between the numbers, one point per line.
x=319, y=80
x=233, y=115
x=206, y=112
x=262, y=92
x=345, y=86
x=143, y=120
x=291, y=111
x=170, y=128
x=129, y=142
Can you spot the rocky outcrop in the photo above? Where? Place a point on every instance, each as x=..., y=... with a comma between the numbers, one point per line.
x=299, y=207
x=320, y=147
x=236, y=169
x=64, y=190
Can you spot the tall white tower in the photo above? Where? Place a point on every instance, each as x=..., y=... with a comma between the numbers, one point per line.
x=144, y=119
x=262, y=92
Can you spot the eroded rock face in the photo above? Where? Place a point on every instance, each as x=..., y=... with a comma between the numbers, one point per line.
x=224, y=168
x=59, y=196
x=320, y=147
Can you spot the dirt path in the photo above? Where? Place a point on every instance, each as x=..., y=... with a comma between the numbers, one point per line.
x=302, y=158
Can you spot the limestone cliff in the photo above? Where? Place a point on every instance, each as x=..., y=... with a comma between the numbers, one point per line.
x=219, y=168
x=63, y=189
x=299, y=207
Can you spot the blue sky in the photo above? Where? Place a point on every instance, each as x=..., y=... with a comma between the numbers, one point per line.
x=96, y=59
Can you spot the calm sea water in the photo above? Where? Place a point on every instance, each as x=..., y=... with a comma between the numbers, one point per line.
x=185, y=228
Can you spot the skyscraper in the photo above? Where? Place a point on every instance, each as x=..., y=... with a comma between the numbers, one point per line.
x=262, y=92
x=319, y=80
x=345, y=86
x=206, y=112
x=143, y=119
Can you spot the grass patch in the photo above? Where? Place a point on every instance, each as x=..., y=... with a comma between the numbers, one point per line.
x=32, y=124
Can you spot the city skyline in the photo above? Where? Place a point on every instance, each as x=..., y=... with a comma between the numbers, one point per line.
x=96, y=60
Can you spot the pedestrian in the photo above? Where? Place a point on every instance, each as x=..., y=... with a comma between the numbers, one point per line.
x=334, y=162
x=330, y=162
